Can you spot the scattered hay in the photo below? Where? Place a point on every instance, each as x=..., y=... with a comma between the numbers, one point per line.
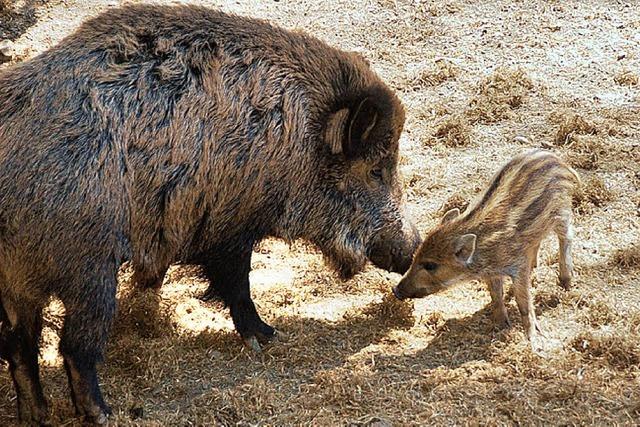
x=592, y=193
x=571, y=124
x=436, y=8
x=599, y=313
x=627, y=258
x=618, y=349
x=499, y=94
x=586, y=152
x=453, y=131
x=455, y=201
x=626, y=77
x=391, y=312
x=434, y=320
x=442, y=71
x=547, y=299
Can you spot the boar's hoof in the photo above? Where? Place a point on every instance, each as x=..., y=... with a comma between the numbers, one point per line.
x=253, y=344
x=101, y=419
x=280, y=336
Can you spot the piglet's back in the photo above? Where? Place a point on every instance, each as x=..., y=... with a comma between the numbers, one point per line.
x=523, y=200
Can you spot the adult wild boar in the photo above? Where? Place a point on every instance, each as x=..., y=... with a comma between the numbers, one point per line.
x=158, y=134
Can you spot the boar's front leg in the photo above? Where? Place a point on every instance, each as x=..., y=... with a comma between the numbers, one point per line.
x=89, y=313
x=228, y=273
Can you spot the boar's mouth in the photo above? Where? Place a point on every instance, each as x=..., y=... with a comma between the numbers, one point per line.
x=392, y=256
x=395, y=254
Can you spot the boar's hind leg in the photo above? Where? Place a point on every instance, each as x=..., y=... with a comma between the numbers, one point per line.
x=86, y=327
x=565, y=238
x=229, y=278
x=20, y=329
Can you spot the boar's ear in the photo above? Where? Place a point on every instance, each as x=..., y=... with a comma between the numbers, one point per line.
x=363, y=120
x=335, y=131
x=465, y=248
x=450, y=215
x=347, y=129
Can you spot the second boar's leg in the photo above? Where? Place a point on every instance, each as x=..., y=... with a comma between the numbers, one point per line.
x=229, y=277
x=19, y=336
x=565, y=238
x=145, y=281
x=500, y=316
x=90, y=306
x=522, y=293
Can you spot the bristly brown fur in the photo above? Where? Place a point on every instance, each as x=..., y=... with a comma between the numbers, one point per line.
x=162, y=134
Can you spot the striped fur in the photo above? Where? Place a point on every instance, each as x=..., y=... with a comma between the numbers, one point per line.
x=499, y=235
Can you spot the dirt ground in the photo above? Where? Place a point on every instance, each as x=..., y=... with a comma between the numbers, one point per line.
x=481, y=80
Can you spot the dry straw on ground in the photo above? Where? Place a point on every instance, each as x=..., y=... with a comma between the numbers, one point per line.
x=453, y=131
x=499, y=94
x=626, y=78
x=457, y=200
x=627, y=257
x=592, y=193
x=587, y=152
x=355, y=356
x=441, y=71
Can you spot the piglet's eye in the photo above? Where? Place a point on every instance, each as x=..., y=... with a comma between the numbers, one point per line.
x=430, y=266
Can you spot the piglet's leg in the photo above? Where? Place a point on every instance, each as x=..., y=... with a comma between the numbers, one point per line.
x=500, y=316
x=534, y=258
x=522, y=293
x=565, y=239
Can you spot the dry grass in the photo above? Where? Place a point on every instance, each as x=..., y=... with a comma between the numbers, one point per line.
x=570, y=125
x=441, y=71
x=599, y=313
x=626, y=78
x=627, y=258
x=587, y=152
x=593, y=193
x=457, y=200
x=617, y=349
x=499, y=94
x=355, y=356
x=453, y=131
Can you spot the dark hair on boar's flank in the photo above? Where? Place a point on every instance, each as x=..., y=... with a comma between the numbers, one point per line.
x=163, y=134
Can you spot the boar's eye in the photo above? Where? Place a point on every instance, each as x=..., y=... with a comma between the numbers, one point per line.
x=430, y=266
x=376, y=173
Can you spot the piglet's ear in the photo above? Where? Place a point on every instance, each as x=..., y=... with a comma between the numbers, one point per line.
x=450, y=215
x=465, y=248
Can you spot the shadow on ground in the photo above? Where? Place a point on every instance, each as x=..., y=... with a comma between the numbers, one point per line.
x=15, y=20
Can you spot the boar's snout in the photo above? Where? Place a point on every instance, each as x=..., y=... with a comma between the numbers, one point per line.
x=397, y=292
x=395, y=253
